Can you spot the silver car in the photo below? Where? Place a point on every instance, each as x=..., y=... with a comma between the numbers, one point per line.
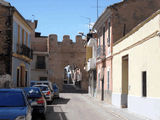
x=46, y=91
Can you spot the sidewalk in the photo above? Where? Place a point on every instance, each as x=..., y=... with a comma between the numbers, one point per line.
x=122, y=114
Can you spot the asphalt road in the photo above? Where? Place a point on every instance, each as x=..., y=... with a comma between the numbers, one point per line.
x=73, y=105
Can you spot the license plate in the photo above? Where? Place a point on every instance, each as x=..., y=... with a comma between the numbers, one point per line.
x=33, y=103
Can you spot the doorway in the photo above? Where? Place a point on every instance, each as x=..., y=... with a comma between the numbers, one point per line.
x=124, y=96
x=22, y=76
x=102, y=96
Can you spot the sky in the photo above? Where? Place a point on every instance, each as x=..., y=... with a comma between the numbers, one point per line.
x=61, y=17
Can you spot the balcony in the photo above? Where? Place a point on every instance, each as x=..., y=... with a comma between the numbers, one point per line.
x=91, y=64
x=101, y=51
x=24, y=50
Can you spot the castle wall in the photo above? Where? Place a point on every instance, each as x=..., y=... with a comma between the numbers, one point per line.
x=66, y=53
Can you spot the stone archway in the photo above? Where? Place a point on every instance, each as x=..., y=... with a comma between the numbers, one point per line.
x=66, y=53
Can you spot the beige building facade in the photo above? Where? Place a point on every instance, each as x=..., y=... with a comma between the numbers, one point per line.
x=40, y=47
x=136, y=69
x=114, y=23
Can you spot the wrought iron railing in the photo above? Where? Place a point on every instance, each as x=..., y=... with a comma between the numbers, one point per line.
x=100, y=51
x=24, y=50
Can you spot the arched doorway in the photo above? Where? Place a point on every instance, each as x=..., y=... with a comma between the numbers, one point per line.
x=72, y=75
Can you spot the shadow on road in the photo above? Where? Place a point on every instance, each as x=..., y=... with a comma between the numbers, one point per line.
x=60, y=101
x=38, y=117
x=73, y=89
x=55, y=113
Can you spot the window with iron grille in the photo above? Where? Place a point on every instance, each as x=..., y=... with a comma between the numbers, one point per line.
x=108, y=39
x=40, y=64
x=17, y=77
x=98, y=80
x=104, y=40
x=108, y=79
x=43, y=78
x=26, y=79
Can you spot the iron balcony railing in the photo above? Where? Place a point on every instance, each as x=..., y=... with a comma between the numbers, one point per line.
x=24, y=50
x=101, y=51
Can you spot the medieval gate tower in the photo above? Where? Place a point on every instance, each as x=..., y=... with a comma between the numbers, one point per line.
x=66, y=53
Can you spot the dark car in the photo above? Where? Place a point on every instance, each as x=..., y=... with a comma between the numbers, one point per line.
x=36, y=99
x=14, y=105
x=56, y=90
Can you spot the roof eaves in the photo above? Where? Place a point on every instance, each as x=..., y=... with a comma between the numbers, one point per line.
x=105, y=11
x=15, y=10
x=136, y=28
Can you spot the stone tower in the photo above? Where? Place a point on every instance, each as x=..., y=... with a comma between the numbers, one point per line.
x=66, y=53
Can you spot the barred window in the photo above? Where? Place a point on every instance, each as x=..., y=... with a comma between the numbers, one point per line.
x=40, y=64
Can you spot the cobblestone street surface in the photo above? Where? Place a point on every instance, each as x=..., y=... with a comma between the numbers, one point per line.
x=78, y=106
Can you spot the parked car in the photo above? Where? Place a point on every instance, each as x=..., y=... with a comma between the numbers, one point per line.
x=47, y=92
x=41, y=83
x=14, y=105
x=36, y=99
x=56, y=90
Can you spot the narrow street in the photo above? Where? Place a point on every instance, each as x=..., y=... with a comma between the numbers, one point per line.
x=78, y=106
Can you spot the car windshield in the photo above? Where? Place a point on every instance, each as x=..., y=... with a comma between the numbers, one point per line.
x=11, y=99
x=43, y=88
x=32, y=92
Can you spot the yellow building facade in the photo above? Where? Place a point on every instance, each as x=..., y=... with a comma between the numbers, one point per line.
x=136, y=63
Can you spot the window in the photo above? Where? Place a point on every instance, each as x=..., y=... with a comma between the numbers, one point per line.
x=99, y=42
x=103, y=40
x=108, y=79
x=23, y=36
x=98, y=80
x=41, y=62
x=12, y=99
x=144, y=84
x=18, y=34
x=124, y=30
x=26, y=78
x=108, y=39
x=17, y=77
x=43, y=78
x=26, y=39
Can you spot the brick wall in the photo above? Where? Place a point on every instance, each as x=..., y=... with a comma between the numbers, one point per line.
x=39, y=44
x=129, y=14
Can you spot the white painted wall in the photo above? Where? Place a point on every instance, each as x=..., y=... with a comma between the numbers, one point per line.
x=142, y=57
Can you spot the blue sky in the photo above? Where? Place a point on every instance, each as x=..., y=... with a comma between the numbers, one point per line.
x=61, y=17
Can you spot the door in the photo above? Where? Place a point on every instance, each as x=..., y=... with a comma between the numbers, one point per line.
x=102, y=96
x=124, y=95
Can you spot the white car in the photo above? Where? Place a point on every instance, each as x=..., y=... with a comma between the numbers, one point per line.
x=46, y=91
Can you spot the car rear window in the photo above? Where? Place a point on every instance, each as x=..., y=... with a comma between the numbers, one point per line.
x=12, y=99
x=43, y=88
x=32, y=92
